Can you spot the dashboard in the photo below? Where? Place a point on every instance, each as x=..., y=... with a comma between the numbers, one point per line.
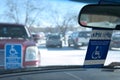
x=65, y=74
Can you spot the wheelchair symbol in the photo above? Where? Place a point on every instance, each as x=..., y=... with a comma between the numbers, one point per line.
x=96, y=53
x=13, y=51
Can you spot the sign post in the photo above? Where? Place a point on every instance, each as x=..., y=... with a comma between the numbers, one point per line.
x=13, y=56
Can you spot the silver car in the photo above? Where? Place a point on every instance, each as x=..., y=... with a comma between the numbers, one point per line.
x=79, y=38
x=54, y=40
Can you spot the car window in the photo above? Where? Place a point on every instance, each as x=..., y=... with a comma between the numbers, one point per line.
x=84, y=34
x=12, y=31
x=54, y=37
x=116, y=38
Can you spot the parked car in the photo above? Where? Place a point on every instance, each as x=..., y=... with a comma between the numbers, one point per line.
x=115, y=41
x=54, y=40
x=79, y=38
x=36, y=38
x=16, y=34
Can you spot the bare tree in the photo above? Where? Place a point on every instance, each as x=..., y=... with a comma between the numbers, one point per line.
x=64, y=22
x=26, y=10
x=12, y=11
x=70, y=19
x=30, y=10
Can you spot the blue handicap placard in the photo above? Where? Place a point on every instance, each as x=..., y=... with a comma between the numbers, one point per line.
x=13, y=56
x=98, y=48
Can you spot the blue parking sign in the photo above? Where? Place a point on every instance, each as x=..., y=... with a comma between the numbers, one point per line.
x=13, y=56
x=98, y=48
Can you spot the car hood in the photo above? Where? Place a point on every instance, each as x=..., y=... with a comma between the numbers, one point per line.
x=23, y=42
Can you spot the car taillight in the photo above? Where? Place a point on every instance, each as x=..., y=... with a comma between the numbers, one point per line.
x=31, y=53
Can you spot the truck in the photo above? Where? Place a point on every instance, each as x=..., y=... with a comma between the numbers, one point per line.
x=18, y=34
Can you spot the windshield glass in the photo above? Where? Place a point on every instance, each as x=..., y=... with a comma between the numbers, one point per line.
x=85, y=34
x=12, y=31
x=46, y=17
x=54, y=37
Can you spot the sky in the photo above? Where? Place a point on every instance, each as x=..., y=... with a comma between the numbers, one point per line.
x=62, y=7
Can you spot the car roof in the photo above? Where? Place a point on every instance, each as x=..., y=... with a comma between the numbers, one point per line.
x=81, y=31
x=11, y=24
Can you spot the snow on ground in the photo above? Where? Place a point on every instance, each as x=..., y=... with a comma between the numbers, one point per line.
x=70, y=56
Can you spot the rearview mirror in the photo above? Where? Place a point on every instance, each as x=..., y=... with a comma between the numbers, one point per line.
x=100, y=16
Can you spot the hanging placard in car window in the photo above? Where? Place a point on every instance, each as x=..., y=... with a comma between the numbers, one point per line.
x=98, y=48
x=13, y=56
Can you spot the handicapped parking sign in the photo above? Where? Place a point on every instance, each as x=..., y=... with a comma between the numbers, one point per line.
x=13, y=56
x=98, y=48
x=96, y=54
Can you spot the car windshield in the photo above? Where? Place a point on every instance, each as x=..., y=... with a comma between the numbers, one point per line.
x=84, y=34
x=44, y=18
x=116, y=38
x=54, y=37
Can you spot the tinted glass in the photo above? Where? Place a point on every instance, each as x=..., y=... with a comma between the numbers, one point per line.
x=12, y=31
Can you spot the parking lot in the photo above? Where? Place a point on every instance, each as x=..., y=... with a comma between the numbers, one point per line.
x=70, y=56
